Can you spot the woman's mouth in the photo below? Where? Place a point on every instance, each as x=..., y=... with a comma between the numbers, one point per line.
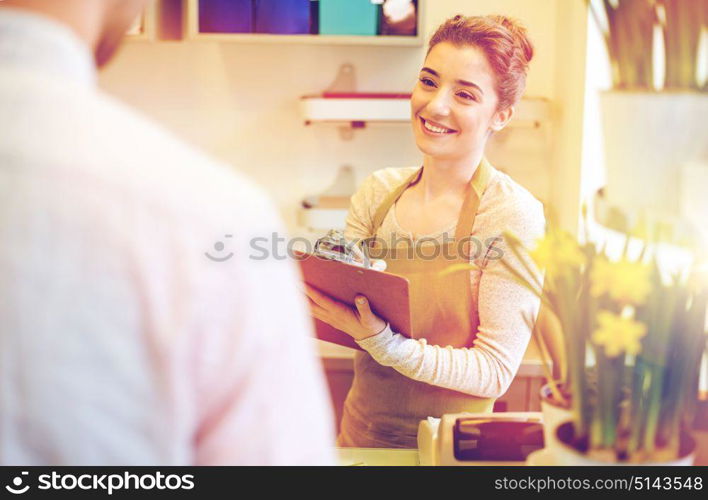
x=433, y=128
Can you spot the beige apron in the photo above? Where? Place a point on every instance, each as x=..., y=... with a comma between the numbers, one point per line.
x=383, y=407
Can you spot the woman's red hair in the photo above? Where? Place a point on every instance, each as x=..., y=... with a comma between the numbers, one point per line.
x=505, y=43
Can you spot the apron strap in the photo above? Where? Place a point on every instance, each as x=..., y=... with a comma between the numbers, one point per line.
x=465, y=223
x=468, y=213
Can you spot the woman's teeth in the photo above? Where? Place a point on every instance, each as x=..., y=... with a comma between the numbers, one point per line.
x=437, y=130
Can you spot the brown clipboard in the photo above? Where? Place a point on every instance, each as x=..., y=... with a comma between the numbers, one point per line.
x=387, y=294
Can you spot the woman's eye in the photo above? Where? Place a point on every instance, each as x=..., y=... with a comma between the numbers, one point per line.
x=467, y=96
x=427, y=82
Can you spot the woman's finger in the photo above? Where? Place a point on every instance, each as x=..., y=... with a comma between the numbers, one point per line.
x=314, y=306
x=362, y=306
x=321, y=314
x=330, y=305
x=367, y=318
x=315, y=295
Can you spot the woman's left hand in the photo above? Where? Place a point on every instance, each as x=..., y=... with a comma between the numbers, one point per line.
x=358, y=322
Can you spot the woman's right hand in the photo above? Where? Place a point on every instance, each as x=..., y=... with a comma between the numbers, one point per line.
x=359, y=322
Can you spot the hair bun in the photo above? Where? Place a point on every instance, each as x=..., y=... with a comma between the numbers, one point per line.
x=505, y=44
x=519, y=34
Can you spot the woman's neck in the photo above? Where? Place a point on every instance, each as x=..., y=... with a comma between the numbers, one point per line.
x=447, y=177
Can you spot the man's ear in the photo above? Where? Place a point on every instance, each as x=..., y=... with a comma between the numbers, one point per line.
x=501, y=118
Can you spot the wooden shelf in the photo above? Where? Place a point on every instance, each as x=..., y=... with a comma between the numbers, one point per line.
x=191, y=31
x=400, y=41
x=530, y=112
x=321, y=109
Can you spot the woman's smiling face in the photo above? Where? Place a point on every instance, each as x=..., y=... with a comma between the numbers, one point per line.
x=454, y=103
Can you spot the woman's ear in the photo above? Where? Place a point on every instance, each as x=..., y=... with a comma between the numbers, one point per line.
x=501, y=118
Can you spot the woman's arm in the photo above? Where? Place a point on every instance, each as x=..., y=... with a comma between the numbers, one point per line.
x=487, y=369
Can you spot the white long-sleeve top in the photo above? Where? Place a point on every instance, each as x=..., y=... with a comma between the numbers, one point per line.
x=504, y=305
x=121, y=341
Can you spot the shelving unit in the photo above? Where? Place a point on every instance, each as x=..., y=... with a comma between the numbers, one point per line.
x=355, y=110
x=530, y=112
x=191, y=32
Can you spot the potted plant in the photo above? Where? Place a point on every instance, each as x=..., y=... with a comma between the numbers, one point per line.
x=634, y=339
x=652, y=116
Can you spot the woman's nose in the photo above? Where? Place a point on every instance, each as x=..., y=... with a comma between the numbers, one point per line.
x=439, y=104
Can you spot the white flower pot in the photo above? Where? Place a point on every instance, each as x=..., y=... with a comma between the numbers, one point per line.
x=553, y=415
x=648, y=138
x=565, y=454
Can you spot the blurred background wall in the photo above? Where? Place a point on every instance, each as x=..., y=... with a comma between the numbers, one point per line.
x=239, y=101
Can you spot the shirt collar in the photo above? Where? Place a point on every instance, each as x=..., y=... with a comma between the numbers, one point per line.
x=37, y=43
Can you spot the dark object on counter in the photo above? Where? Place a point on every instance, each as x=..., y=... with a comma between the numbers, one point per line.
x=283, y=17
x=477, y=439
x=226, y=16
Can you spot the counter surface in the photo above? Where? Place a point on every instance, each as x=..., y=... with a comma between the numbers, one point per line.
x=377, y=456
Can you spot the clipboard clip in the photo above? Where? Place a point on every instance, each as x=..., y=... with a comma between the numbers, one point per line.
x=334, y=246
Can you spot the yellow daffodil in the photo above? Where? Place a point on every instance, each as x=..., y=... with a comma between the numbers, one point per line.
x=556, y=251
x=618, y=334
x=624, y=281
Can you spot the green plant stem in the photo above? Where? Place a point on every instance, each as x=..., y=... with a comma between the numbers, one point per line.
x=660, y=313
x=610, y=373
x=637, y=424
x=683, y=366
x=575, y=352
x=653, y=408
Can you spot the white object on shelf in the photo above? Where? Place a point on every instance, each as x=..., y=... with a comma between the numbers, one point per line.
x=318, y=219
x=328, y=109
